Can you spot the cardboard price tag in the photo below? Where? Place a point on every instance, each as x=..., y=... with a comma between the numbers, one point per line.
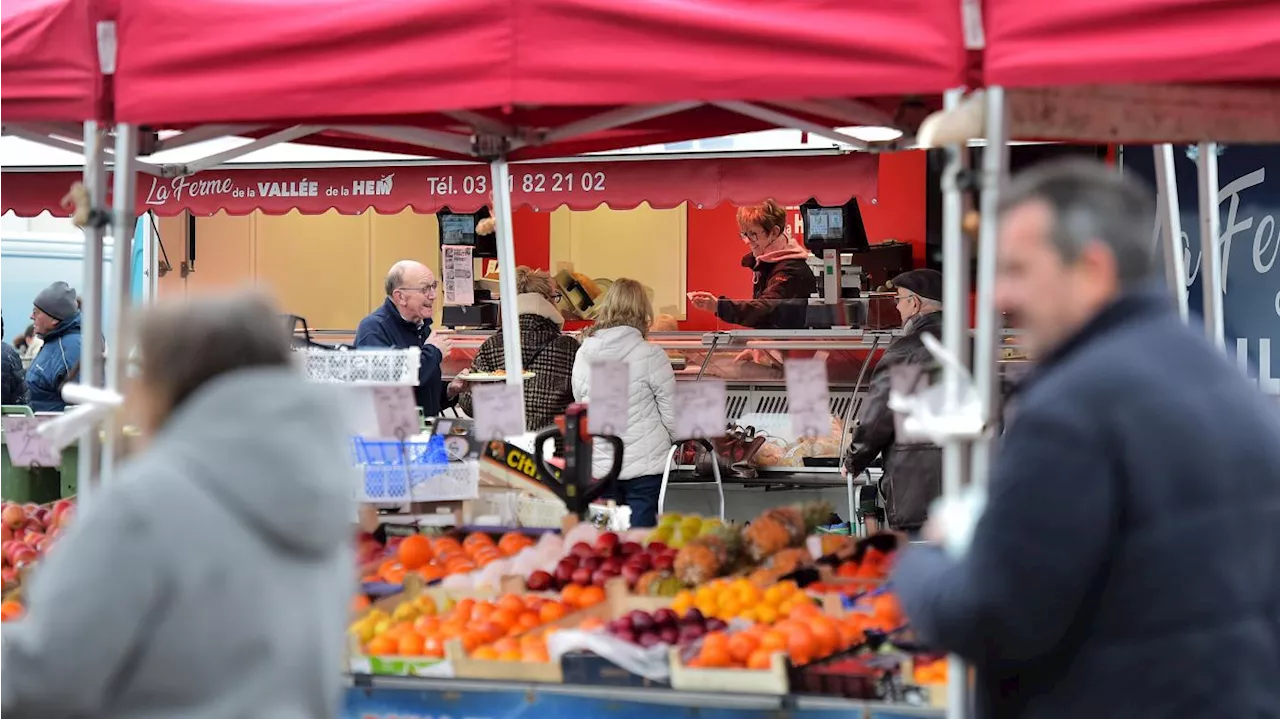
x=700, y=409
x=26, y=447
x=397, y=412
x=610, y=400
x=809, y=397
x=499, y=410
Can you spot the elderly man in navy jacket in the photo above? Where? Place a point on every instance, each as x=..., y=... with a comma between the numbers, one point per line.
x=404, y=321
x=1128, y=561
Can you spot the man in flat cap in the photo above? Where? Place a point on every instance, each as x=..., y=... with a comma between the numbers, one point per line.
x=912, y=468
x=56, y=316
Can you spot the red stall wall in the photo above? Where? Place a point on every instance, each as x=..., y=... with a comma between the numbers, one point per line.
x=715, y=250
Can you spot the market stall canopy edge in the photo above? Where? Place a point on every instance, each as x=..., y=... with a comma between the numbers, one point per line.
x=332, y=62
x=580, y=185
x=48, y=62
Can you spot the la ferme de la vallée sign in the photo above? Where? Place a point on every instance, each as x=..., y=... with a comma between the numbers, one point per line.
x=1248, y=204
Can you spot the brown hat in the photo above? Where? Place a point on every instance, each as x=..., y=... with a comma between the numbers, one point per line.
x=925, y=283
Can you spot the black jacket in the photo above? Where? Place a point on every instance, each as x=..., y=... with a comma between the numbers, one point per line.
x=779, y=294
x=1128, y=562
x=15, y=378
x=385, y=328
x=912, y=469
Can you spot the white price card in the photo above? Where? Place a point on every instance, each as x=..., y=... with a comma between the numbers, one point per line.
x=458, y=275
x=499, y=410
x=808, y=397
x=610, y=399
x=397, y=412
x=27, y=447
x=700, y=409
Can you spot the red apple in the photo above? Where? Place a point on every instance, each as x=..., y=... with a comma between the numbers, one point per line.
x=640, y=560
x=664, y=563
x=539, y=581
x=607, y=544
x=581, y=576
x=9, y=577
x=632, y=573
x=23, y=555
x=582, y=549
x=592, y=563
x=601, y=576
x=629, y=548
x=614, y=565
x=5, y=533
x=43, y=516
x=656, y=548
x=13, y=515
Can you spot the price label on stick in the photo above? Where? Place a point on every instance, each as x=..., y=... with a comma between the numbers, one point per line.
x=397, y=412
x=610, y=398
x=26, y=447
x=499, y=411
x=808, y=397
x=700, y=409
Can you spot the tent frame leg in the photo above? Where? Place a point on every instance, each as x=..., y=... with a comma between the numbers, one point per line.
x=95, y=174
x=1169, y=224
x=1211, y=261
x=500, y=174
x=125, y=218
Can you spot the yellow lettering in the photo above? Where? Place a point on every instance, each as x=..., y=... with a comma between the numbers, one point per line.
x=513, y=459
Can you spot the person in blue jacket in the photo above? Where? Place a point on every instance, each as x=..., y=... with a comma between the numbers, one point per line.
x=404, y=321
x=56, y=316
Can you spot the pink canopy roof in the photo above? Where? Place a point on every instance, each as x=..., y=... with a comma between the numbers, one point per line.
x=48, y=61
x=1112, y=42
x=532, y=64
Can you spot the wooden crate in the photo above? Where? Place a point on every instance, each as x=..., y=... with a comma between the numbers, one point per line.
x=734, y=681
x=464, y=667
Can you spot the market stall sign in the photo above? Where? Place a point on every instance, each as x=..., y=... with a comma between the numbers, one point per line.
x=619, y=184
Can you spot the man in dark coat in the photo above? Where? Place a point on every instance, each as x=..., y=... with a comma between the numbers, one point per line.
x=912, y=467
x=15, y=381
x=56, y=315
x=1127, y=563
x=404, y=321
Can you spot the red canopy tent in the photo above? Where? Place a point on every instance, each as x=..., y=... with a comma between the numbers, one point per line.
x=48, y=64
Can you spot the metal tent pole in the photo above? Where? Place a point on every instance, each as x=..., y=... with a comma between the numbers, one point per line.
x=988, y=322
x=1210, y=250
x=955, y=337
x=500, y=175
x=95, y=181
x=1170, y=223
x=124, y=220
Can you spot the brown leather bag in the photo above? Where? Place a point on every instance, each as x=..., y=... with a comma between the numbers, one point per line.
x=735, y=453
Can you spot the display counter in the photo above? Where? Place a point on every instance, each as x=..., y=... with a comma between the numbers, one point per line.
x=385, y=697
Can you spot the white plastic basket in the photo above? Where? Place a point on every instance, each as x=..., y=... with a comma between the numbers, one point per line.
x=422, y=483
x=361, y=367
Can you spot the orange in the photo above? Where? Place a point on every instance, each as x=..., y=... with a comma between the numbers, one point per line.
x=399, y=629
x=572, y=594
x=472, y=640
x=488, y=631
x=591, y=595
x=511, y=603
x=741, y=646
x=512, y=542
x=800, y=644
x=433, y=646
x=527, y=621
x=713, y=655
x=535, y=653
x=849, y=635
x=766, y=614
x=716, y=639
x=773, y=641
x=415, y=551
x=804, y=609
x=485, y=654
x=464, y=607
x=504, y=619
x=886, y=609
x=476, y=540
x=513, y=655
x=425, y=625
x=432, y=572
x=359, y=603
x=826, y=636
x=760, y=659
x=506, y=644
x=482, y=610
x=383, y=646
x=551, y=611
x=412, y=644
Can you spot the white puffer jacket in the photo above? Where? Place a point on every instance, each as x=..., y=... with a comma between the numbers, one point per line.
x=651, y=416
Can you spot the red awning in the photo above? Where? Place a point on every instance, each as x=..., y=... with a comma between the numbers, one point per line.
x=48, y=61
x=620, y=184
x=532, y=64
x=1116, y=42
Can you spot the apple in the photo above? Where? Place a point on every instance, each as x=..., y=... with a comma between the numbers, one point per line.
x=601, y=575
x=690, y=633
x=30, y=509
x=657, y=547
x=607, y=544
x=582, y=549
x=539, y=581
x=592, y=563
x=5, y=533
x=648, y=639
x=626, y=635
x=629, y=548
x=564, y=572
x=665, y=617
x=693, y=616
x=614, y=565
x=581, y=576
x=639, y=560
x=669, y=635
x=632, y=573
x=640, y=621
x=13, y=516
x=43, y=516
x=664, y=563
x=618, y=625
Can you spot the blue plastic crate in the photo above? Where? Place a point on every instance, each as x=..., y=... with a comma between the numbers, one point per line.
x=392, y=469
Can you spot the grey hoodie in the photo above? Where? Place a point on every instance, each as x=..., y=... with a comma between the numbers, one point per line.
x=211, y=579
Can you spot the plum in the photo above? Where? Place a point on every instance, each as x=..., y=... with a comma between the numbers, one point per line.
x=690, y=633
x=649, y=639
x=581, y=576
x=669, y=635
x=539, y=581
x=716, y=625
x=592, y=563
x=665, y=617
x=640, y=621
x=693, y=616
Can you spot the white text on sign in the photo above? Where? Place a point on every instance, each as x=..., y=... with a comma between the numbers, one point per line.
x=530, y=183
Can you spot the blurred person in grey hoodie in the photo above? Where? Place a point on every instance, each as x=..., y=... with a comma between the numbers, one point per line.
x=212, y=577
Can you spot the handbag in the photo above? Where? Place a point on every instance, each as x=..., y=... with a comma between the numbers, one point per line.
x=735, y=453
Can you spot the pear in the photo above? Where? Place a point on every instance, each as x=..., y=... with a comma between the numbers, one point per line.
x=405, y=612
x=691, y=526
x=669, y=520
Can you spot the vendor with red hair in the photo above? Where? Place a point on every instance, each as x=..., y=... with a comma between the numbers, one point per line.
x=783, y=282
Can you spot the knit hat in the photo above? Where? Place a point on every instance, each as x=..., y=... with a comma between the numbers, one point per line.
x=925, y=283
x=58, y=301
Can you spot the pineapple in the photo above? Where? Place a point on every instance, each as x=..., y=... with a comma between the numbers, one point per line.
x=707, y=557
x=782, y=527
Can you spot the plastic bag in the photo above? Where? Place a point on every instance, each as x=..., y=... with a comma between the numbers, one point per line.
x=931, y=413
x=651, y=663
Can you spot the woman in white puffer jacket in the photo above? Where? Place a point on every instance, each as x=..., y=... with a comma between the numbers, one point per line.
x=622, y=322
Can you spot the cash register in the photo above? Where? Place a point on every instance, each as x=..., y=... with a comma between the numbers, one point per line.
x=834, y=234
x=468, y=229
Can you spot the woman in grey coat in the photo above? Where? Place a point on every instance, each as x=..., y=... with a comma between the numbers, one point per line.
x=212, y=577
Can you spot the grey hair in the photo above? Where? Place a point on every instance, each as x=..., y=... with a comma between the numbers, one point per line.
x=185, y=344
x=1092, y=202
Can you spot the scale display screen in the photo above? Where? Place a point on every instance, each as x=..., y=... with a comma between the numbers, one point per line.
x=824, y=224
x=457, y=229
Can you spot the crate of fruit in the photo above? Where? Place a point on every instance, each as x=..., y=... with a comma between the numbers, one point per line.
x=360, y=367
